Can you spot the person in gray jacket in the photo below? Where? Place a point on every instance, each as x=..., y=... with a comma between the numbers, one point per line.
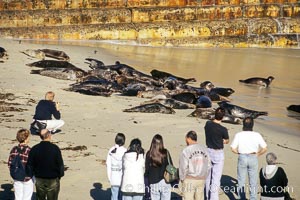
x=194, y=165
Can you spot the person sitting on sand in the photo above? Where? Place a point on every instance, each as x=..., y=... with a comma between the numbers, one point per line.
x=44, y=111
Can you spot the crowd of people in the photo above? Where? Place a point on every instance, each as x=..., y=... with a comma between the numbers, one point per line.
x=136, y=174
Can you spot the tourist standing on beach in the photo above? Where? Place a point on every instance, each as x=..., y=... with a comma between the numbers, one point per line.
x=132, y=186
x=216, y=136
x=248, y=144
x=44, y=111
x=194, y=166
x=23, y=188
x=114, y=165
x=45, y=162
x=156, y=162
x=273, y=180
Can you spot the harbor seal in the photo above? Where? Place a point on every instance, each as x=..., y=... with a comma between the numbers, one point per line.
x=172, y=103
x=151, y=108
x=59, y=55
x=258, y=81
x=94, y=63
x=294, y=108
x=240, y=112
x=209, y=113
x=60, y=73
x=156, y=74
x=34, y=53
x=186, y=97
x=3, y=54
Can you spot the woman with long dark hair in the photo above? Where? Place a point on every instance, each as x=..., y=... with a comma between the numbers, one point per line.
x=132, y=186
x=156, y=163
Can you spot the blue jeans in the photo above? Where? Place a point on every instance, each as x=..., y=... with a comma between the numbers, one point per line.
x=134, y=197
x=115, y=193
x=160, y=191
x=213, y=179
x=247, y=163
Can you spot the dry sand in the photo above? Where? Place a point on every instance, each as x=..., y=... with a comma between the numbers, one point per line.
x=93, y=121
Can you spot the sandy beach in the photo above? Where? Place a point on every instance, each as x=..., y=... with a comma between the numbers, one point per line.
x=92, y=123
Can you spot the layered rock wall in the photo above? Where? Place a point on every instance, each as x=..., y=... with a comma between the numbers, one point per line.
x=201, y=23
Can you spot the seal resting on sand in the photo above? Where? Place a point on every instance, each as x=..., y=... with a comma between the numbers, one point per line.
x=3, y=53
x=295, y=108
x=156, y=74
x=60, y=73
x=240, y=112
x=172, y=103
x=151, y=108
x=59, y=55
x=34, y=53
x=209, y=113
x=259, y=81
x=186, y=97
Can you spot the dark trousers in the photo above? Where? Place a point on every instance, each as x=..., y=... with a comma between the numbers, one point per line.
x=47, y=188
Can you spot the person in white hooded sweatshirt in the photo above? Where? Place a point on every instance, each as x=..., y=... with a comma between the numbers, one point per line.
x=133, y=185
x=114, y=165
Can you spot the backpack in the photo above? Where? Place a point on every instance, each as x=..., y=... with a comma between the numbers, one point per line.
x=17, y=169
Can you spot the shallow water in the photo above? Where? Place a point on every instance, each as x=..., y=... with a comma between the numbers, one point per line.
x=224, y=67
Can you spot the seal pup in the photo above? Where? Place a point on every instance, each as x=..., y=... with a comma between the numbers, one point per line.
x=240, y=112
x=151, y=108
x=294, y=108
x=172, y=103
x=34, y=53
x=59, y=55
x=265, y=82
x=156, y=74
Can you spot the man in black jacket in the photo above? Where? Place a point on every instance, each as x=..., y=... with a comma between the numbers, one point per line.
x=47, y=108
x=45, y=162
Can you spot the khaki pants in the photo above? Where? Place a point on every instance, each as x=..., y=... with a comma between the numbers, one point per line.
x=193, y=189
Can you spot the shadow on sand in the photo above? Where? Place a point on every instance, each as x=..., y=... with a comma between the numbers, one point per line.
x=8, y=193
x=229, y=186
x=98, y=193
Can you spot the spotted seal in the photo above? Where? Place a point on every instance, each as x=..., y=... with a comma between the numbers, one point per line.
x=156, y=74
x=240, y=112
x=258, y=81
x=294, y=108
x=172, y=103
x=34, y=53
x=56, y=54
x=3, y=54
x=151, y=108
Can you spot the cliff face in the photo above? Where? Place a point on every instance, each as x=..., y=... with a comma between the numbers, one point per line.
x=202, y=23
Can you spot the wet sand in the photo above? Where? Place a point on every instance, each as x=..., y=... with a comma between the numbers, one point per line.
x=92, y=122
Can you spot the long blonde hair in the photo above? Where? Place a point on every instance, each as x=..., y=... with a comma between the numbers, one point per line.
x=49, y=96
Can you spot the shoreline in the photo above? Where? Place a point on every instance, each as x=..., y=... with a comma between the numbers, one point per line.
x=93, y=122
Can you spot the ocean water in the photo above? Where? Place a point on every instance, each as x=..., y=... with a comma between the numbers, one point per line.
x=225, y=67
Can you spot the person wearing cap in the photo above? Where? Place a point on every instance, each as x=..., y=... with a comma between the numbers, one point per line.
x=45, y=162
x=216, y=136
x=273, y=179
x=47, y=108
x=248, y=144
